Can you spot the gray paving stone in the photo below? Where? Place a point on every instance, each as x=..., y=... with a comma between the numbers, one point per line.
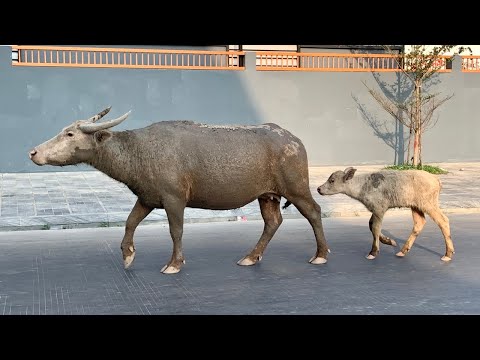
x=90, y=197
x=81, y=272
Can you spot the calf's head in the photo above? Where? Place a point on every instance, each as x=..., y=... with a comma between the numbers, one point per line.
x=337, y=182
x=76, y=143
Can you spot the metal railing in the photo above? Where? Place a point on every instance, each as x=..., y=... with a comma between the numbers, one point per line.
x=295, y=61
x=471, y=63
x=96, y=57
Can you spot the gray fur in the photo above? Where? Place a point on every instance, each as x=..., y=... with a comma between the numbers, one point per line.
x=178, y=164
x=386, y=189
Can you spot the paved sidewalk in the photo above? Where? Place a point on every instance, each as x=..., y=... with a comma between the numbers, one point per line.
x=55, y=200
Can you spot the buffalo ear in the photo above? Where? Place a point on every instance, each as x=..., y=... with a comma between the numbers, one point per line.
x=349, y=172
x=102, y=136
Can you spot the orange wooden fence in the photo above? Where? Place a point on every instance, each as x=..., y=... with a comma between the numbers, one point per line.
x=99, y=57
x=471, y=63
x=96, y=57
x=298, y=61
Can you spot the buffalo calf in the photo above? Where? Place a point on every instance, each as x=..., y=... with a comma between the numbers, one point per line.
x=382, y=190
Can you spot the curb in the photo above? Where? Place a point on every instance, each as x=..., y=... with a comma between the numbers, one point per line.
x=332, y=214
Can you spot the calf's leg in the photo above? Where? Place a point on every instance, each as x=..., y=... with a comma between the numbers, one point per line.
x=375, y=225
x=383, y=239
x=443, y=223
x=270, y=210
x=138, y=213
x=418, y=224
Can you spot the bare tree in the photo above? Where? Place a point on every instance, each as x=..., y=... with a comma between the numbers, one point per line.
x=417, y=112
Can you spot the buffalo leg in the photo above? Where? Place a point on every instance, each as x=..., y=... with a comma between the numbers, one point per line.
x=138, y=213
x=309, y=208
x=376, y=229
x=383, y=239
x=272, y=217
x=175, y=212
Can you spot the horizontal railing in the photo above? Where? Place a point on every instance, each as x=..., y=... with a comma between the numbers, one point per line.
x=441, y=64
x=64, y=56
x=298, y=61
x=471, y=63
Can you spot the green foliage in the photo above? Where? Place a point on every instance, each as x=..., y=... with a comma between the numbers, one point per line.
x=420, y=63
x=428, y=168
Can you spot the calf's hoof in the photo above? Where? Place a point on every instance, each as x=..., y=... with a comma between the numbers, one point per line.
x=317, y=260
x=446, y=258
x=247, y=261
x=393, y=242
x=400, y=254
x=370, y=257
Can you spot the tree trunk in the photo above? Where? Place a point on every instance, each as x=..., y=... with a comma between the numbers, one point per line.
x=401, y=145
x=420, y=138
x=416, y=148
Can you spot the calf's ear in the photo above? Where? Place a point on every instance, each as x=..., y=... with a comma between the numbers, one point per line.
x=349, y=172
x=101, y=136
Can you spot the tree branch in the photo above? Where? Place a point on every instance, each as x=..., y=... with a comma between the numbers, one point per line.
x=388, y=105
x=432, y=106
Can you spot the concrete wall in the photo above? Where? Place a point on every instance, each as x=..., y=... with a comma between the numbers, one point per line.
x=331, y=112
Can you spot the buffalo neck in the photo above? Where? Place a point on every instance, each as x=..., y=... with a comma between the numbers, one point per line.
x=354, y=186
x=117, y=157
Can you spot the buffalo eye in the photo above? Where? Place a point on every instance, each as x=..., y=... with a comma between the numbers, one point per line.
x=70, y=134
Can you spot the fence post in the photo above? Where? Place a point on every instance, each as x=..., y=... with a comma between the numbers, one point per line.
x=456, y=63
x=14, y=55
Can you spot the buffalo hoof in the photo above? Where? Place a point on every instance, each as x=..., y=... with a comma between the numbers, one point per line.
x=169, y=270
x=317, y=260
x=370, y=257
x=446, y=258
x=400, y=254
x=246, y=261
x=128, y=260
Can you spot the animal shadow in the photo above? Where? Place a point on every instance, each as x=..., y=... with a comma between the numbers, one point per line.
x=401, y=241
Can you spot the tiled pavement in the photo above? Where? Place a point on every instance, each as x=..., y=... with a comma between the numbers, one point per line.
x=80, y=272
x=92, y=199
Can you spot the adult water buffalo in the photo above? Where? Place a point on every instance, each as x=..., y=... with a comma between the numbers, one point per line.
x=172, y=165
